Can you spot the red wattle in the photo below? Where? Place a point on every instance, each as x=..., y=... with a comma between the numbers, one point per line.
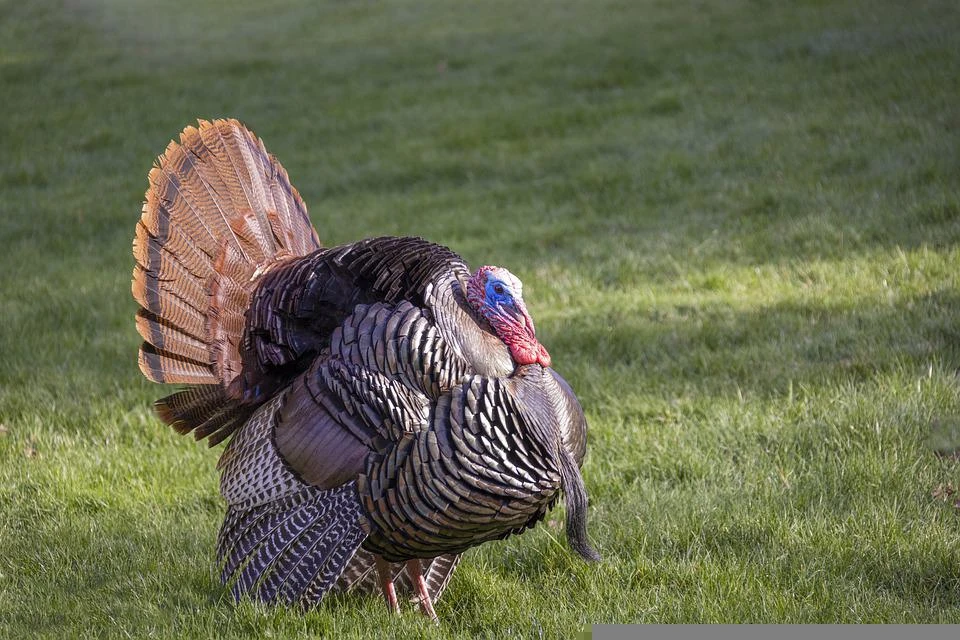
x=543, y=357
x=529, y=353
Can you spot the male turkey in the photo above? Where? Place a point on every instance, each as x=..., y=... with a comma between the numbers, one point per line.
x=389, y=408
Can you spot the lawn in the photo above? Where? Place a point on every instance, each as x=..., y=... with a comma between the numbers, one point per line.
x=738, y=225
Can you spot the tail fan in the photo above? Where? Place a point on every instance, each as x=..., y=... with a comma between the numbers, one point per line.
x=219, y=212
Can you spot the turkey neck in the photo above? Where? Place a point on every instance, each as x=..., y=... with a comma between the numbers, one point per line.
x=468, y=333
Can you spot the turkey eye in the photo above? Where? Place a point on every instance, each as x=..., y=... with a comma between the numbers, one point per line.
x=498, y=289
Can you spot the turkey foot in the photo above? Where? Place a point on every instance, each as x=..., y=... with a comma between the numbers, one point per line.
x=416, y=577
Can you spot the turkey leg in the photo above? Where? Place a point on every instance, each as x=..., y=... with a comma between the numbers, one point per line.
x=415, y=571
x=386, y=584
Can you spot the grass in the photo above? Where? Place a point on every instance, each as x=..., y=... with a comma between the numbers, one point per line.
x=738, y=228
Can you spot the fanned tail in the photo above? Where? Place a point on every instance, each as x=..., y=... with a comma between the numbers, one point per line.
x=291, y=550
x=219, y=212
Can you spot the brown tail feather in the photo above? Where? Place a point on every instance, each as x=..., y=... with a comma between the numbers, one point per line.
x=165, y=304
x=160, y=366
x=174, y=341
x=170, y=254
x=218, y=213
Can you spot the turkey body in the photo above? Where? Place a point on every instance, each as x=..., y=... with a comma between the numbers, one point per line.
x=388, y=408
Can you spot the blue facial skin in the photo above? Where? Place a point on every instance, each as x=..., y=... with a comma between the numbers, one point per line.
x=498, y=294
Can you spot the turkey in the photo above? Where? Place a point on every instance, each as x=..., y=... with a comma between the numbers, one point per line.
x=389, y=409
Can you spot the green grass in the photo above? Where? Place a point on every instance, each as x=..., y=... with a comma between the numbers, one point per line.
x=738, y=228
